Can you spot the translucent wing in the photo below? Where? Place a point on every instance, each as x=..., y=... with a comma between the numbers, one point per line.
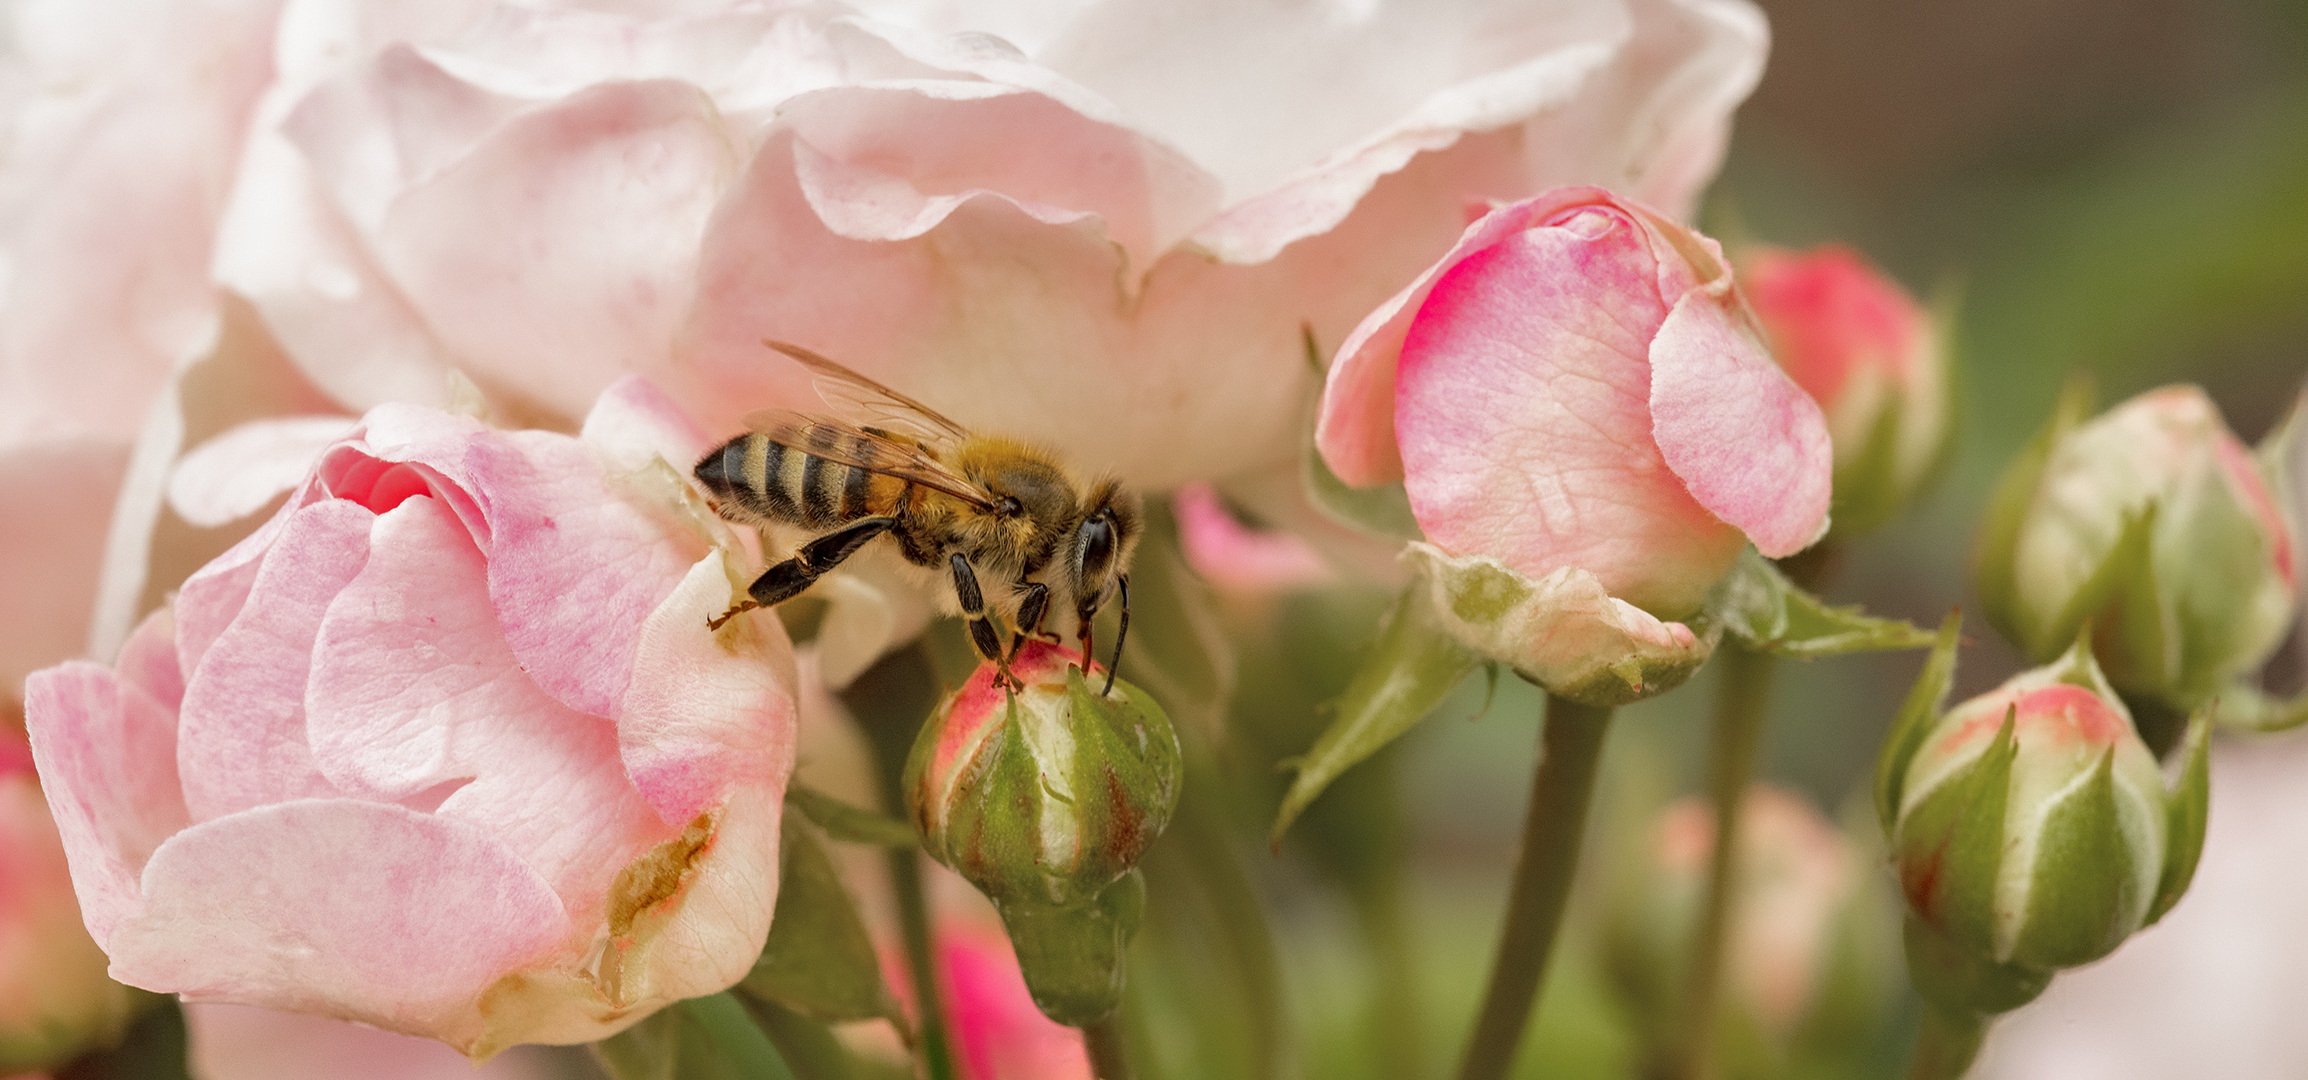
x=866, y=400
x=871, y=449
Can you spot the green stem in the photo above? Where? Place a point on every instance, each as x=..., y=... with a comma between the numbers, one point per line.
x=891, y=700
x=1946, y=1045
x=1740, y=707
x=1569, y=747
x=1396, y=1026
x=1104, y=1041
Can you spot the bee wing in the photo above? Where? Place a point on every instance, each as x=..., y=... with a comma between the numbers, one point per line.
x=854, y=394
x=871, y=449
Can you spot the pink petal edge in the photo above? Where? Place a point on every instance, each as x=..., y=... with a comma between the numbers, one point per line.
x=1750, y=445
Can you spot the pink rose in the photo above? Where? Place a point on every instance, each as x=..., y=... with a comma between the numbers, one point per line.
x=444, y=747
x=54, y=998
x=1575, y=399
x=1101, y=227
x=1861, y=347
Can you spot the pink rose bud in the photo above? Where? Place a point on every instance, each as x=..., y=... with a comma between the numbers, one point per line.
x=444, y=747
x=1873, y=359
x=1799, y=928
x=1575, y=398
x=54, y=999
x=2158, y=526
x=1045, y=797
x=2033, y=831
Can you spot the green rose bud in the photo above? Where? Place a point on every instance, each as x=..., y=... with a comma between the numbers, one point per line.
x=2034, y=832
x=2155, y=525
x=1045, y=797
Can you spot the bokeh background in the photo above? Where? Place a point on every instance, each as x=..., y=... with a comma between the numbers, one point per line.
x=2113, y=188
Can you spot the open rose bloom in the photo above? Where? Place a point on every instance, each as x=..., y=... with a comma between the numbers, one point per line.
x=1589, y=429
x=445, y=746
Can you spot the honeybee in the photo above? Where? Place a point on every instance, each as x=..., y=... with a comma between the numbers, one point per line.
x=978, y=508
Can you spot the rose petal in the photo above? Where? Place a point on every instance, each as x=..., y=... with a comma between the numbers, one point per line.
x=1526, y=432
x=1749, y=443
x=891, y=162
x=233, y=475
x=107, y=758
x=1231, y=555
x=707, y=710
x=148, y=660
x=562, y=248
x=416, y=699
x=633, y=423
x=353, y=909
x=574, y=569
x=241, y=737
x=286, y=248
x=1355, y=429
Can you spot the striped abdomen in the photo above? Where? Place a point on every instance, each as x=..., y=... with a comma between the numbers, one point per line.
x=760, y=479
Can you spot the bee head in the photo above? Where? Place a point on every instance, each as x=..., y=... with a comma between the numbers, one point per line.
x=1099, y=546
x=1097, y=562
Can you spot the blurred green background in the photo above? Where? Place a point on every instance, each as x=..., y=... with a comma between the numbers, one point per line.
x=2113, y=188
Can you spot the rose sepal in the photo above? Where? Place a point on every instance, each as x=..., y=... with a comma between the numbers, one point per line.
x=1757, y=604
x=1412, y=667
x=1563, y=631
x=1994, y=561
x=1925, y=701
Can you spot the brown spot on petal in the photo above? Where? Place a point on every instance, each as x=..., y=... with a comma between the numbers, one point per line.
x=648, y=886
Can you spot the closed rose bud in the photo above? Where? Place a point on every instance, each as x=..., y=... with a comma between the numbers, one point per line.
x=1871, y=357
x=2034, y=832
x=1045, y=797
x=54, y=998
x=2155, y=524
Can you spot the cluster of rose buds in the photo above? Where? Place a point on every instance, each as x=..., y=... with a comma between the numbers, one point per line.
x=1045, y=796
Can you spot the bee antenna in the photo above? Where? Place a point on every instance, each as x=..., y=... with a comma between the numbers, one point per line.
x=1121, y=635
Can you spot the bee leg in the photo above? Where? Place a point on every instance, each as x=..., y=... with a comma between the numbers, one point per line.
x=1034, y=608
x=787, y=579
x=982, y=633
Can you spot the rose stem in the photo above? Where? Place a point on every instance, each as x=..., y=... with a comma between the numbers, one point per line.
x=1569, y=744
x=1104, y=1041
x=1946, y=1045
x=891, y=700
x=1740, y=706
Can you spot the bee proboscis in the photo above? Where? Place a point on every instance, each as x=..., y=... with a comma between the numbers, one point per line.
x=978, y=508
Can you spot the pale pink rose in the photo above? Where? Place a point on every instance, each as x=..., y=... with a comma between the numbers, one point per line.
x=1577, y=385
x=1102, y=227
x=237, y=1042
x=54, y=998
x=444, y=747
x=1861, y=347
